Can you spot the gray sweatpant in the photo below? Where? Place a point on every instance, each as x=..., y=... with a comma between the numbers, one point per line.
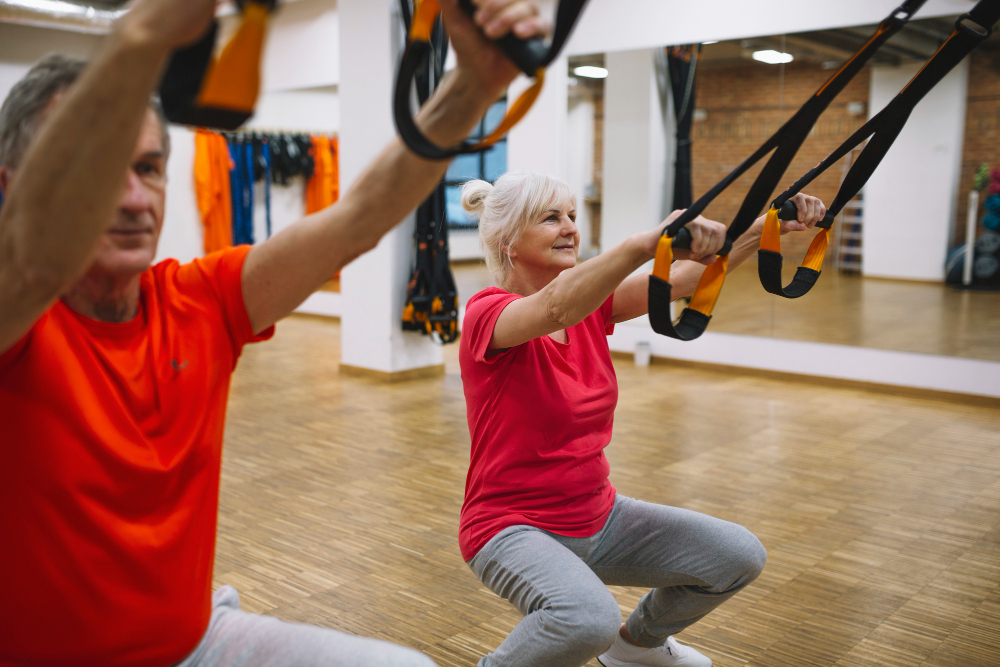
x=693, y=563
x=239, y=639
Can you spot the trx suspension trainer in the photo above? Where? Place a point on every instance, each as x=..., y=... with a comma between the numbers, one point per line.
x=195, y=90
x=970, y=31
x=531, y=56
x=785, y=143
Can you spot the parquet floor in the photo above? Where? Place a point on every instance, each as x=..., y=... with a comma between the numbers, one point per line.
x=881, y=513
x=845, y=309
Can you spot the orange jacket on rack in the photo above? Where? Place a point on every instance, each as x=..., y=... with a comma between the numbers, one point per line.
x=323, y=188
x=212, y=165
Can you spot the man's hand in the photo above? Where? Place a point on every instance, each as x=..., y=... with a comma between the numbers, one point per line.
x=475, y=51
x=811, y=211
x=168, y=24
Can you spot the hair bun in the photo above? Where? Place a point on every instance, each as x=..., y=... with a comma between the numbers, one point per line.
x=474, y=194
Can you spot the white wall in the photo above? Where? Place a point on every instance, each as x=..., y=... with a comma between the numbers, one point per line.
x=580, y=160
x=21, y=46
x=910, y=200
x=623, y=25
x=635, y=146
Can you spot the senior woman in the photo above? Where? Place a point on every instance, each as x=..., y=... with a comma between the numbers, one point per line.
x=541, y=524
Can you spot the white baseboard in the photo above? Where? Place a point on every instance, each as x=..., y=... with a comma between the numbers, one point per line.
x=322, y=303
x=845, y=362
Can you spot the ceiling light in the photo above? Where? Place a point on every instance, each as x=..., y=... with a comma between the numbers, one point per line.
x=772, y=57
x=712, y=42
x=591, y=72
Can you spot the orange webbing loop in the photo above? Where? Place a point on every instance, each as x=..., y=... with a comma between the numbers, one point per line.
x=771, y=240
x=664, y=258
x=233, y=81
x=424, y=16
x=517, y=111
x=707, y=292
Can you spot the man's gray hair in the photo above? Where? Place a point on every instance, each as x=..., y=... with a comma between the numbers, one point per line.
x=22, y=111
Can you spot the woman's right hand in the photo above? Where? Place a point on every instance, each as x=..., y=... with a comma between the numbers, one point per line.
x=707, y=238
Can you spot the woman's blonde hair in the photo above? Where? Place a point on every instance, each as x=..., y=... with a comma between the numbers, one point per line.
x=505, y=209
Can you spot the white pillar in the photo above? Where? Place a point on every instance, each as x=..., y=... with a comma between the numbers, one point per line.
x=635, y=148
x=910, y=200
x=538, y=142
x=374, y=285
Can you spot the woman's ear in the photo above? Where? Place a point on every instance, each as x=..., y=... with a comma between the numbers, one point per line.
x=509, y=251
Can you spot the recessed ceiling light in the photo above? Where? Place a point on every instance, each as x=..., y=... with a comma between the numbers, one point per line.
x=772, y=57
x=712, y=42
x=591, y=72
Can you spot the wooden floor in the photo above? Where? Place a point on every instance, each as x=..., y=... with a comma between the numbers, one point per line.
x=880, y=513
x=846, y=309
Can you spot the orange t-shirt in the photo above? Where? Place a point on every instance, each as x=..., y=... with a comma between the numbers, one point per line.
x=110, y=449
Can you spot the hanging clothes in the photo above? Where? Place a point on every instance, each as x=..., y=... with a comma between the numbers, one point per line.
x=241, y=179
x=212, y=164
x=323, y=188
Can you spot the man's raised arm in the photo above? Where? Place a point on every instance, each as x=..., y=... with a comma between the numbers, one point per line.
x=281, y=272
x=64, y=193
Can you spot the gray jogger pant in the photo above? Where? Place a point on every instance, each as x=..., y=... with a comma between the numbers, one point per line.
x=239, y=639
x=693, y=563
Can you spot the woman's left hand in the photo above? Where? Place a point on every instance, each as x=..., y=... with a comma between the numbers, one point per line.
x=811, y=211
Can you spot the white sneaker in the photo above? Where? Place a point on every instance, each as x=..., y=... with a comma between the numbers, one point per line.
x=671, y=654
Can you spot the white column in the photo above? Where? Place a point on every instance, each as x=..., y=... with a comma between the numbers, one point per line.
x=910, y=200
x=635, y=148
x=374, y=285
x=538, y=142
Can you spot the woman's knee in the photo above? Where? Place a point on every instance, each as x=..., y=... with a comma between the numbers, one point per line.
x=592, y=621
x=746, y=557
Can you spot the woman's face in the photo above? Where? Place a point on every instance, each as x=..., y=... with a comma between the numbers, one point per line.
x=550, y=242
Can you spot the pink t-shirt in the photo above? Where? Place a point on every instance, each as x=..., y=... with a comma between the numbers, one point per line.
x=540, y=416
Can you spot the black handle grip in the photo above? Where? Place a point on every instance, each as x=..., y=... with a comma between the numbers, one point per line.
x=789, y=211
x=682, y=241
x=529, y=55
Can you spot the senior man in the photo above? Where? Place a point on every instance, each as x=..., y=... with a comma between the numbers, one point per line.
x=114, y=374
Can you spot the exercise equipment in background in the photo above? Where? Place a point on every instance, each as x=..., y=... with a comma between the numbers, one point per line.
x=531, y=56
x=431, y=295
x=218, y=93
x=881, y=131
x=785, y=143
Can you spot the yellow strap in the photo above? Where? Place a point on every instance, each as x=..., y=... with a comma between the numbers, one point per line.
x=233, y=81
x=516, y=112
x=707, y=292
x=664, y=257
x=771, y=240
x=423, y=20
x=817, y=251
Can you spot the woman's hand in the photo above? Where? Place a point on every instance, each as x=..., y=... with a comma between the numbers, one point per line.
x=707, y=238
x=811, y=211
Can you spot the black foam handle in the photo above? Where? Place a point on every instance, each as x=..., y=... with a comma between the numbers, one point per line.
x=789, y=211
x=682, y=241
x=529, y=55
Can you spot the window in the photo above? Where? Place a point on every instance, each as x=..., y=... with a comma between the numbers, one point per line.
x=488, y=165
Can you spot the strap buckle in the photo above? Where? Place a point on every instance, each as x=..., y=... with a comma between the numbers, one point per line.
x=963, y=24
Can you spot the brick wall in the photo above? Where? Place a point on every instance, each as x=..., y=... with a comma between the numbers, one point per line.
x=982, y=130
x=746, y=103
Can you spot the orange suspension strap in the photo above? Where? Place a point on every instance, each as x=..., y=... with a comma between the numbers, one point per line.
x=531, y=57
x=971, y=30
x=785, y=143
x=221, y=93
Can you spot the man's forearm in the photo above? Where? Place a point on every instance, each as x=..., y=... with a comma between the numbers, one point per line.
x=65, y=191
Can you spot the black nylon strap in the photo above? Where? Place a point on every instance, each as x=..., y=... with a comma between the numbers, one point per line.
x=769, y=269
x=882, y=131
x=528, y=55
x=691, y=323
x=784, y=143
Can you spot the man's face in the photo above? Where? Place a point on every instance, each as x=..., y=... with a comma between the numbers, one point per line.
x=129, y=245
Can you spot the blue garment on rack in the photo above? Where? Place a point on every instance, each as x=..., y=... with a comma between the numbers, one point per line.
x=265, y=150
x=241, y=185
